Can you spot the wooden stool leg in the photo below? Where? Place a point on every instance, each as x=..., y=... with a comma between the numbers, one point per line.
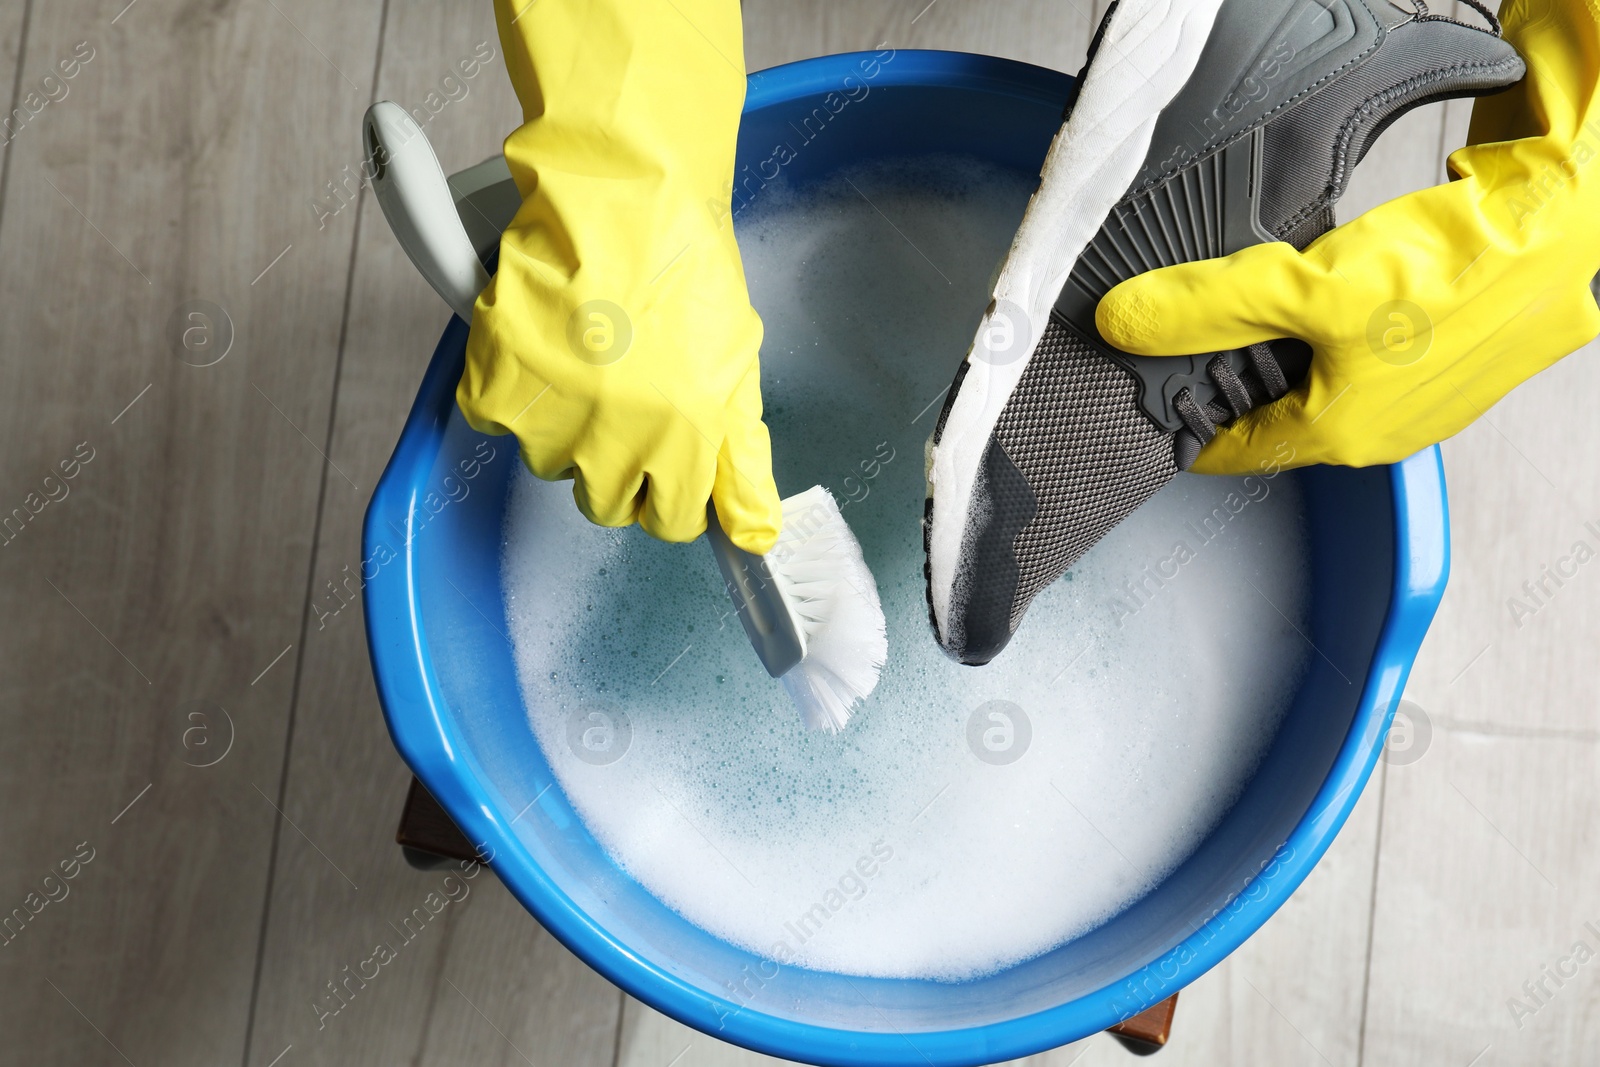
x=426, y=834
x=1148, y=1031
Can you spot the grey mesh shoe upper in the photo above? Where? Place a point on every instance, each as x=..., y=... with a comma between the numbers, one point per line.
x=1286, y=98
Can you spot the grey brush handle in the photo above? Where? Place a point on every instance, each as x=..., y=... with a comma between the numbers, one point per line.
x=757, y=600
x=416, y=200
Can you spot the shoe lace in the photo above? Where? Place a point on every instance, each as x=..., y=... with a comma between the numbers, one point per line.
x=1235, y=396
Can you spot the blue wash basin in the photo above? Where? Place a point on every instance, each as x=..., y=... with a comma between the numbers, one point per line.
x=446, y=676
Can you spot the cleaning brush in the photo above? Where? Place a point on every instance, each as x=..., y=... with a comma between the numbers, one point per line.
x=810, y=605
x=810, y=608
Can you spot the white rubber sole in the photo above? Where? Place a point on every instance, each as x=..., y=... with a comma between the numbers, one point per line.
x=1148, y=53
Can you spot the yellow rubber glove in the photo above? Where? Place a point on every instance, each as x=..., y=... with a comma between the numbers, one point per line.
x=1425, y=311
x=617, y=340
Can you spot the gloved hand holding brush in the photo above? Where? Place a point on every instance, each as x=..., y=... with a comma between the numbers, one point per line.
x=1425, y=311
x=617, y=340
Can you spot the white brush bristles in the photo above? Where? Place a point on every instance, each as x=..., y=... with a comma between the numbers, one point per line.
x=818, y=565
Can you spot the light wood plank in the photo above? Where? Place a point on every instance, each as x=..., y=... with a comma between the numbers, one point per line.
x=1486, y=879
x=177, y=167
x=12, y=19
x=649, y=1039
x=484, y=983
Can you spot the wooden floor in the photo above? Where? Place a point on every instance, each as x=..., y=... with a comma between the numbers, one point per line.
x=191, y=723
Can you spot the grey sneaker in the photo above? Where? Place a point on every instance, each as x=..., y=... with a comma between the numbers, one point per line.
x=1199, y=127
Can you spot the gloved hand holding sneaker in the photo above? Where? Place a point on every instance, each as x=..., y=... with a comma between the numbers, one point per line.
x=617, y=340
x=1425, y=311
x=1199, y=130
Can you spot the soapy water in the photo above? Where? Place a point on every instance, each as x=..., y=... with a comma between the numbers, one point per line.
x=967, y=818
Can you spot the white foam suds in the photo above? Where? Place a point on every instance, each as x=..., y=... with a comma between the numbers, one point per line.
x=1151, y=679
